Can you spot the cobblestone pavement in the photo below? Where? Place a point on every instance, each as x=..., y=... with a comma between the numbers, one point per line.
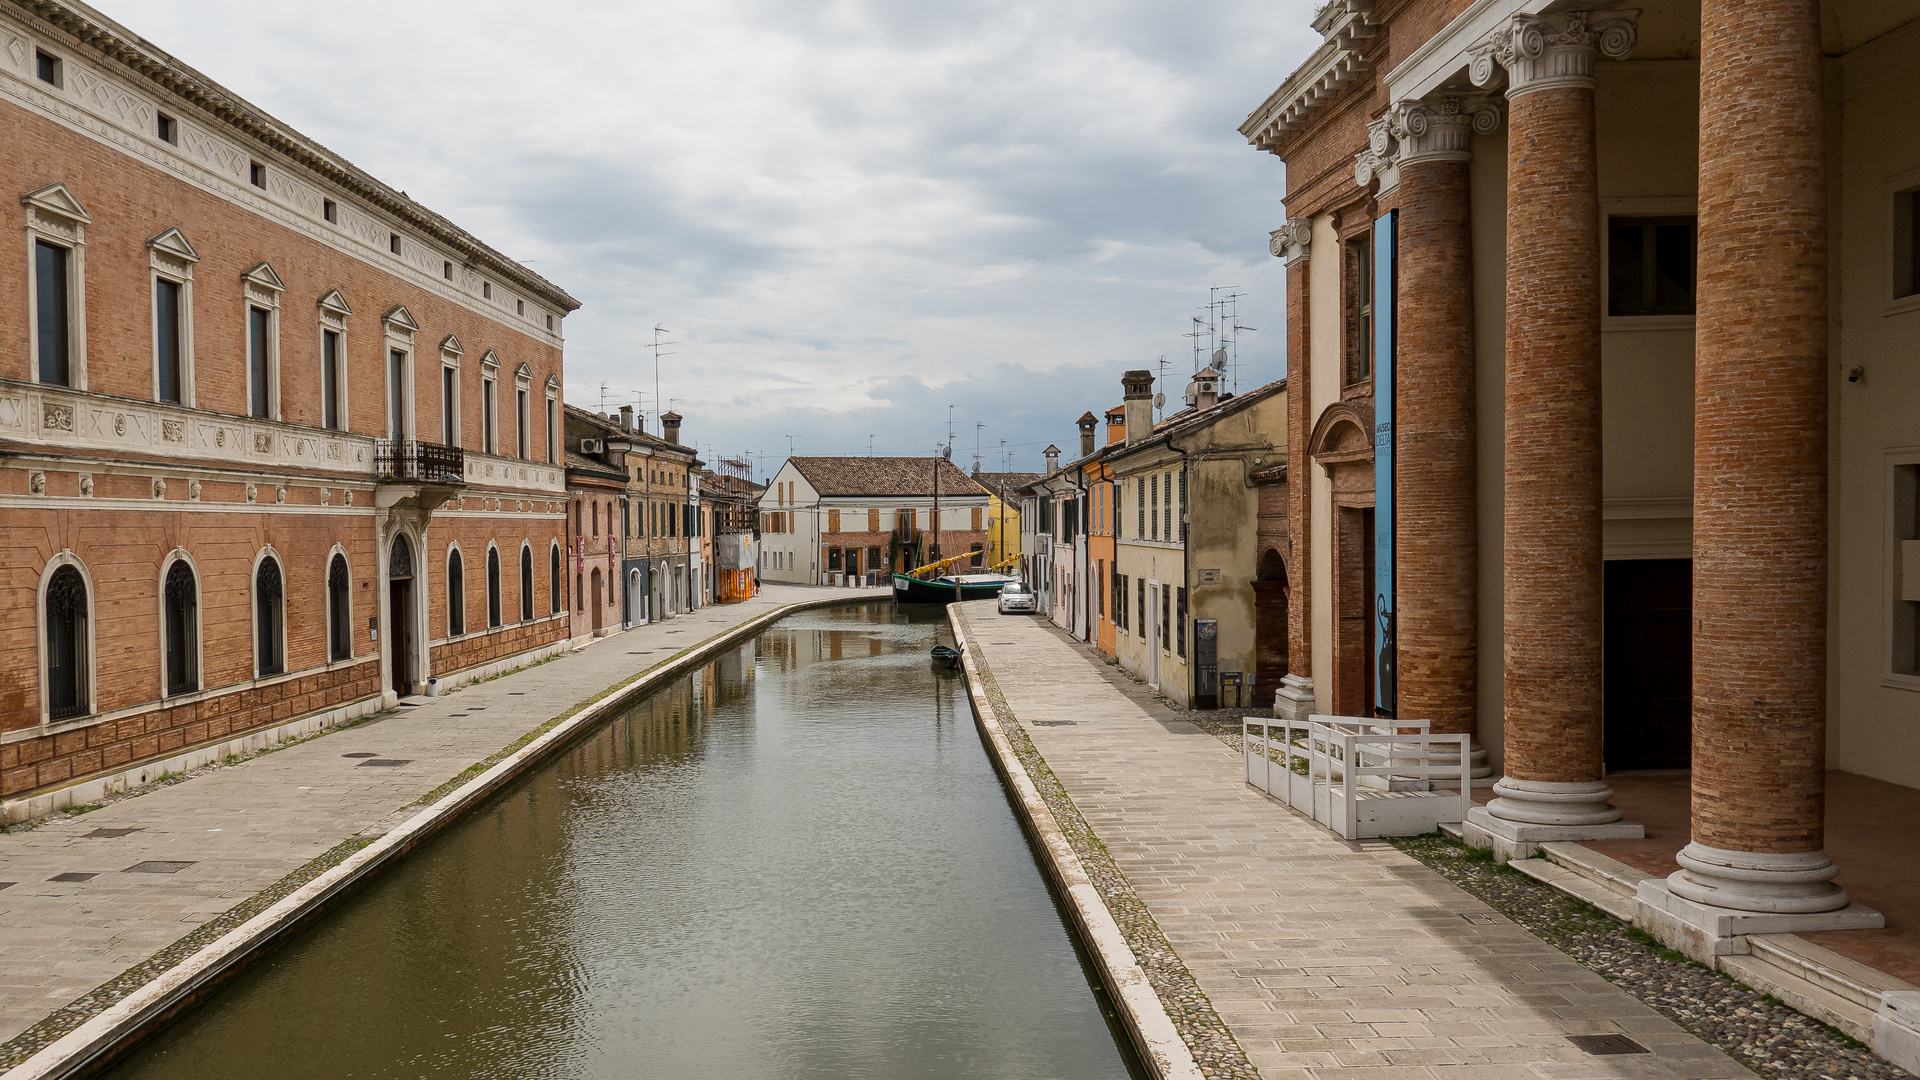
x=1322, y=955
x=87, y=896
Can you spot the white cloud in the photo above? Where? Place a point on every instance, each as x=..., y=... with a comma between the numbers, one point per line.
x=850, y=213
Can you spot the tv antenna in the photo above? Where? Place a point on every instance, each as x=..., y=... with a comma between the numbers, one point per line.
x=657, y=331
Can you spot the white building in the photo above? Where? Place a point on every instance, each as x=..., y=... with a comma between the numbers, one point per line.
x=837, y=520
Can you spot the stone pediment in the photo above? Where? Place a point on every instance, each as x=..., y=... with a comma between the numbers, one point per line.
x=56, y=201
x=334, y=304
x=173, y=243
x=399, y=318
x=262, y=274
x=452, y=346
x=489, y=359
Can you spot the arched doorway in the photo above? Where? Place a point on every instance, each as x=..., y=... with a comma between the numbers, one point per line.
x=400, y=614
x=1270, y=624
x=593, y=583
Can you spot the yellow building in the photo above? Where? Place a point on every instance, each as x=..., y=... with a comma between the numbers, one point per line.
x=1003, y=513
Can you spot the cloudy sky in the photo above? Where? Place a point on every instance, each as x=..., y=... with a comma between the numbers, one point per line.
x=850, y=214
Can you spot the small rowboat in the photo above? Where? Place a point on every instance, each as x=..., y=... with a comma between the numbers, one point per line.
x=946, y=656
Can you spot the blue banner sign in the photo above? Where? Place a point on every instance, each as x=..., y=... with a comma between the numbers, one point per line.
x=1385, y=690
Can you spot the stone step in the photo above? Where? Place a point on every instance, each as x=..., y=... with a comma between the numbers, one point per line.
x=1578, y=885
x=1839, y=975
x=1453, y=830
x=1802, y=988
x=1608, y=873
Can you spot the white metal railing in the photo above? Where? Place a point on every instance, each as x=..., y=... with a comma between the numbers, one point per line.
x=1361, y=777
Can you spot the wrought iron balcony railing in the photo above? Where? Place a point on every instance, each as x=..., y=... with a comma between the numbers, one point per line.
x=424, y=462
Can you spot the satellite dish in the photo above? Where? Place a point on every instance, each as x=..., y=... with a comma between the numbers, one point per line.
x=1220, y=356
x=1159, y=401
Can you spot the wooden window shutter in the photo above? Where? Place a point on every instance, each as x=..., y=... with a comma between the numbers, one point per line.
x=833, y=521
x=873, y=521
x=976, y=519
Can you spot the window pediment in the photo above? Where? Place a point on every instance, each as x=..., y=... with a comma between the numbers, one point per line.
x=261, y=275
x=400, y=320
x=489, y=363
x=173, y=244
x=452, y=346
x=334, y=304
x=58, y=203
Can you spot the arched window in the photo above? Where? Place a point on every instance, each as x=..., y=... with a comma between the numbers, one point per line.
x=526, y=583
x=182, y=625
x=339, y=610
x=493, y=587
x=269, y=635
x=456, y=594
x=67, y=662
x=553, y=583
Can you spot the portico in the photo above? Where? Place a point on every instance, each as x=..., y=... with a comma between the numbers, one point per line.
x=1576, y=306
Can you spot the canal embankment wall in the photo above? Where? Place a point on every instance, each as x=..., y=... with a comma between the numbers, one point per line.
x=92, y=1046
x=1148, y=1024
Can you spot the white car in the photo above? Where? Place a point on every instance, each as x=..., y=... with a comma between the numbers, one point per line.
x=1016, y=596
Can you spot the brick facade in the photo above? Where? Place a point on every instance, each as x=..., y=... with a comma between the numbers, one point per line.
x=103, y=471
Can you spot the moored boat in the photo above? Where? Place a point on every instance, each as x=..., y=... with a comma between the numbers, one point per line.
x=947, y=589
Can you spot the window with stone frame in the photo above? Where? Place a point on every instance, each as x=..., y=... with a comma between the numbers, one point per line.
x=456, y=594
x=1904, y=520
x=1356, y=287
x=67, y=647
x=181, y=625
x=1651, y=265
x=270, y=614
x=1906, y=243
x=339, y=609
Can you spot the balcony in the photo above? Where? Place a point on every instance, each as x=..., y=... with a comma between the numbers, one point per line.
x=407, y=460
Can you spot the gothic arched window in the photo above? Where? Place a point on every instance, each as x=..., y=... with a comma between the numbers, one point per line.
x=493, y=587
x=456, y=594
x=339, y=610
x=182, y=624
x=526, y=583
x=67, y=661
x=553, y=583
x=269, y=604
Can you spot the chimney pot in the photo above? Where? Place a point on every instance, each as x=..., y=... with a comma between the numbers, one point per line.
x=626, y=417
x=670, y=427
x=1087, y=423
x=1137, y=404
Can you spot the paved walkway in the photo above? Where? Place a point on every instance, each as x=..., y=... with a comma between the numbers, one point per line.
x=1324, y=956
x=80, y=900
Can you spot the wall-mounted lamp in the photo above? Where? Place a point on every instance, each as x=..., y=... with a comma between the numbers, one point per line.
x=1857, y=375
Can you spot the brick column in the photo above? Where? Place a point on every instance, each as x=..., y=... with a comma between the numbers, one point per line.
x=1420, y=151
x=1294, y=699
x=1760, y=468
x=1553, y=787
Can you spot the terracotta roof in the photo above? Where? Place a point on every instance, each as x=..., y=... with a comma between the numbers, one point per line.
x=1006, y=483
x=896, y=476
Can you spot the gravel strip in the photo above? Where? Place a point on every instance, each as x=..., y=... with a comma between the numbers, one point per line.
x=1214, y=1047
x=1755, y=1028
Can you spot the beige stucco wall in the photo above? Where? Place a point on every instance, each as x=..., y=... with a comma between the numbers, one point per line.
x=1151, y=562
x=1874, y=715
x=1323, y=295
x=1225, y=511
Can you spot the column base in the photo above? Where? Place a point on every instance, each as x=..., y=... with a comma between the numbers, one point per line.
x=1705, y=932
x=1770, y=884
x=1522, y=839
x=1294, y=700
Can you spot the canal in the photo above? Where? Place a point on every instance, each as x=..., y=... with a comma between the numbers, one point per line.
x=796, y=861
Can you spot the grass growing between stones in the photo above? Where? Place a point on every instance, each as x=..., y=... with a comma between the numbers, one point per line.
x=1756, y=1029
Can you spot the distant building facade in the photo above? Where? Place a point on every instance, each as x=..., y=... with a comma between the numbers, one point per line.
x=837, y=520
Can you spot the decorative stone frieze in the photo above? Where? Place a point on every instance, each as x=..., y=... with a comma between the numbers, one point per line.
x=1291, y=241
x=1439, y=128
x=1536, y=52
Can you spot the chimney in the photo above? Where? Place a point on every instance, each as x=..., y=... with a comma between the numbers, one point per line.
x=1138, y=403
x=1116, y=425
x=1053, y=458
x=1205, y=391
x=670, y=427
x=1087, y=423
x=626, y=418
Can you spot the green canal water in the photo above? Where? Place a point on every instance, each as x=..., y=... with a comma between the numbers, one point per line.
x=794, y=862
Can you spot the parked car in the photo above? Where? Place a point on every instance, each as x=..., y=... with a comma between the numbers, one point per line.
x=1016, y=596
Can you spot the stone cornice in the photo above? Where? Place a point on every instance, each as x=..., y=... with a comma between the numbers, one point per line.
x=1438, y=128
x=1334, y=66
x=1539, y=52
x=167, y=74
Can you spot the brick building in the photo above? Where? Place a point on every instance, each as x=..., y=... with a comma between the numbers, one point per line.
x=651, y=483
x=1600, y=335
x=277, y=444
x=828, y=520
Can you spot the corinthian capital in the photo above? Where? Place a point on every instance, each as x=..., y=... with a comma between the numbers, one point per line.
x=1436, y=128
x=1290, y=241
x=1536, y=52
